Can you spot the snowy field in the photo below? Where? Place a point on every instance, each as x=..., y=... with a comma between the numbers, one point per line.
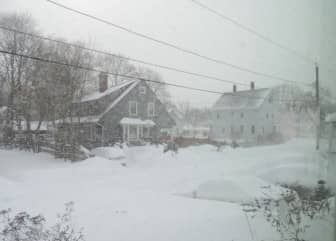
x=140, y=193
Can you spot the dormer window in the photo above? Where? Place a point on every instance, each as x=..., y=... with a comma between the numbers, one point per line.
x=142, y=90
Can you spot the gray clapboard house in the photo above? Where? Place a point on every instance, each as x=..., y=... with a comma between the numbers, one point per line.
x=129, y=112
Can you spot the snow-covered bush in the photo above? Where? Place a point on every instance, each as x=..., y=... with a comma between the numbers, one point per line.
x=293, y=213
x=171, y=146
x=25, y=227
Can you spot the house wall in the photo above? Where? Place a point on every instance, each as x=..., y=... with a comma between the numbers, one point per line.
x=331, y=126
x=264, y=119
x=110, y=121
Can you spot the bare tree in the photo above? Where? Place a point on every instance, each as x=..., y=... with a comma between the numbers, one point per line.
x=17, y=74
x=192, y=115
x=64, y=83
x=295, y=211
x=116, y=65
x=158, y=85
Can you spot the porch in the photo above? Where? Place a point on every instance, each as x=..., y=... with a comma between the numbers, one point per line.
x=136, y=130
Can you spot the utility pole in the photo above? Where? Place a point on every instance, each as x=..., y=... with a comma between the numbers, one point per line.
x=318, y=109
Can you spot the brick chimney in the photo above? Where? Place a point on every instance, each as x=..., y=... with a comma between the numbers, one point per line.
x=234, y=88
x=252, y=85
x=103, y=79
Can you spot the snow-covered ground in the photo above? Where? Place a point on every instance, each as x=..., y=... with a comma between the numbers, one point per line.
x=140, y=193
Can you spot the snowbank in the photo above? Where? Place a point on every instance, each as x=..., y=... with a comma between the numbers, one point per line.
x=110, y=153
x=238, y=189
x=138, y=202
x=304, y=174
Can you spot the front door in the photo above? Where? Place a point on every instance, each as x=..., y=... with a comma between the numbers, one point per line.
x=132, y=133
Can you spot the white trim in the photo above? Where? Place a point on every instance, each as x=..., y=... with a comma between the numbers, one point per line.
x=97, y=95
x=130, y=108
x=135, y=121
x=114, y=103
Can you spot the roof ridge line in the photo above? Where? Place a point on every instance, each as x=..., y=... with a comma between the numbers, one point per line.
x=119, y=98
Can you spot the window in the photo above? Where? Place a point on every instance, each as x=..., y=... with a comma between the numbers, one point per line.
x=253, y=129
x=266, y=115
x=272, y=116
x=133, y=108
x=232, y=129
x=99, y=133
x=241, y=129
x=223, y=130
x=84, y=109
x=132, y=134
x=274, y=129
x=146, y=132
x=151, y=109
x=218, y=116
x=263, y=130
x=142, y=90
x=242, y=115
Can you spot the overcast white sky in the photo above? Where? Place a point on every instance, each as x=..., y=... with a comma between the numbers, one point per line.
x=304, y=25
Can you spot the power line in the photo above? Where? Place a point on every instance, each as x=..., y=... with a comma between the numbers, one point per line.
x=134, y=77
x=176, y=47
x=254, y=32
x=109, y=73
x=122, y=57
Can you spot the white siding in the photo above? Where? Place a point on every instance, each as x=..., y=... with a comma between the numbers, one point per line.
x=263, y=119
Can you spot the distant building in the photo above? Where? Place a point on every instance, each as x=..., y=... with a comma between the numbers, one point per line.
x=244, y=116
x=129, y=112
x=195, y=132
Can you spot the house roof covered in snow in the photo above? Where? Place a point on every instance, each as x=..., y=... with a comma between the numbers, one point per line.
x=44, y=125
x=127, y=86
x=246, y=99
x=120, y=97
x=196, y=128
x=97, y=95
x=137, y=122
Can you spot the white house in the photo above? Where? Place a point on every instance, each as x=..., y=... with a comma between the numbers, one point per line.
x=331, y=121
x=244, y=116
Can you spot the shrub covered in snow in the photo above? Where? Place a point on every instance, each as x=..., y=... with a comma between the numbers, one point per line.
x=110, y=152
x=25, y=227
x=293, y=213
